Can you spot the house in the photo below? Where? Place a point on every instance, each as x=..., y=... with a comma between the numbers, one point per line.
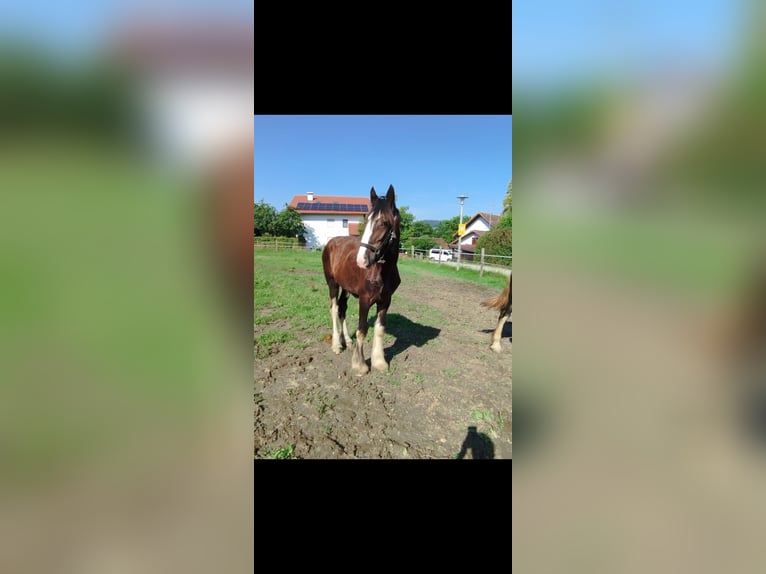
x=327, y=216
x=475, y=227
x=193, y=83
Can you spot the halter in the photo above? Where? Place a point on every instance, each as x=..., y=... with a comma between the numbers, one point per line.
x=379, y=251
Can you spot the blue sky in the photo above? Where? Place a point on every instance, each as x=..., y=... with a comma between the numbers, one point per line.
x=430, y=160
x=79, y=27
x=556, y=40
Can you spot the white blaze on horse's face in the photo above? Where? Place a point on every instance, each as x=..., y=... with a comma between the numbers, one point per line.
x=360, y=259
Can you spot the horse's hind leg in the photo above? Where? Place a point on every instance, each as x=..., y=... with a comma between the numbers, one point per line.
x=342, y=307
x=495, y=346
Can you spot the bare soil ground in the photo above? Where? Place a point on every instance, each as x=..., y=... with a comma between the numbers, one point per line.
x=443, y=379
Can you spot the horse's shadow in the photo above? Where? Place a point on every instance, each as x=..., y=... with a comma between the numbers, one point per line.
x=407, y=333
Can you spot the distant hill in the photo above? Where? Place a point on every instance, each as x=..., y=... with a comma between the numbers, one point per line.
x=432, y=222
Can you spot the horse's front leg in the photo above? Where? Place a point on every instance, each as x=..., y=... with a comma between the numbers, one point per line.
x=334, y=312
x=378, y=359
x=358, y=364
x=342, y=307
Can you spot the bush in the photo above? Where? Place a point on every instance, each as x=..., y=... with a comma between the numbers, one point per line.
x=496, y=242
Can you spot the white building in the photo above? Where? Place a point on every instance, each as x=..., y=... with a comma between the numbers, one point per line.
x=328, y=216
x=475, y=227
x=194, y=83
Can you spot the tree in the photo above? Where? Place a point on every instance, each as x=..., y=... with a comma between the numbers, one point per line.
x=405, y=218
x=288, y=223
x=421, y=229
x=424, y=242
x=263, y=218
x=448, y=228
x=508, y=198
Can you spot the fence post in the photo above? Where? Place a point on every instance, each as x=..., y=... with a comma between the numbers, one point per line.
x=412, y=251
x=481, y=267
x=276, y=247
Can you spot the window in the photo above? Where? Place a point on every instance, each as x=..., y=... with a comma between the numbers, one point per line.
x=345, y=224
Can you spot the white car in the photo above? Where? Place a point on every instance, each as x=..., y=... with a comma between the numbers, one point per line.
x=440, y=255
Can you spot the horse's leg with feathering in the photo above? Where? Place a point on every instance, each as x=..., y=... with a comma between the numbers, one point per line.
x=495, y=346
x=342, y=307
x=378, y=359
x=334, y=312
x=358, y=363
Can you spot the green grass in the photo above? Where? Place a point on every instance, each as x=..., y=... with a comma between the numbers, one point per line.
x=495, y=422
x=280, y=453
x=321, y=401
x=267, y=341
x=107, y=304
x=418, y=268
x=290, y=286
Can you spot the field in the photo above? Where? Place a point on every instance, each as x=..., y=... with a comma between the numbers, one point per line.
x=446, y=394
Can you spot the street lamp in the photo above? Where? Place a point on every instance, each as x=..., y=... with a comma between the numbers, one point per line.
x=462, y=198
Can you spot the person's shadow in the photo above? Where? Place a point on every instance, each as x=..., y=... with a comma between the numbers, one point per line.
x=480, y=445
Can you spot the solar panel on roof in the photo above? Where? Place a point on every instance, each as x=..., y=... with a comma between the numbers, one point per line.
x=335, y=206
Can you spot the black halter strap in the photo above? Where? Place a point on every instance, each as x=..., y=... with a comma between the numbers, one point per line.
x=379, y=251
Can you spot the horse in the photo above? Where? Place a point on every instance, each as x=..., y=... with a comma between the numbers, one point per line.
x=227, y=184
x=502, y=302
x=365, y=268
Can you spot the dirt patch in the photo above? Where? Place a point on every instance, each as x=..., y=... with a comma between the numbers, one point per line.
x=443, y=379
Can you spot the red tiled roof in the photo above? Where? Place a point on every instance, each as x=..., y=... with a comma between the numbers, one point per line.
x=492, y=218
x=193, y=45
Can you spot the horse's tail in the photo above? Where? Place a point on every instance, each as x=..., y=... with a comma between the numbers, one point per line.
x=501, y=300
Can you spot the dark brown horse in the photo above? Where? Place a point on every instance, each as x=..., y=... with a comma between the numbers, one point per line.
x=367, y=270
x=502, y=302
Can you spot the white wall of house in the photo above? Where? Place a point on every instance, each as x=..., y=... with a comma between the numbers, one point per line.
x=192, y=117
x=321, y=228
x=480, y=224
x=468, y=238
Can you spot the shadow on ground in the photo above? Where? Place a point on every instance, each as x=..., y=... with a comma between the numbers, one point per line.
x=479, y=444
x=507, y=331
x=407, y=333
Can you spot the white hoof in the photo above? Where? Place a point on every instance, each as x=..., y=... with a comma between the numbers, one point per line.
x=380, y=365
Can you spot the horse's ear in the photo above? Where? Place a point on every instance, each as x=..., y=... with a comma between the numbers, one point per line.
x=373, y=195
x=391, y=196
